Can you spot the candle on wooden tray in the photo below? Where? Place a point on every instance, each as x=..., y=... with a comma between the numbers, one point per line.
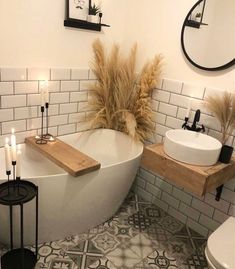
x=46, y=92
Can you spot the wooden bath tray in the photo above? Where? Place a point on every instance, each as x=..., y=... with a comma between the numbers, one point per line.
x=197, y=179
x=70, y=159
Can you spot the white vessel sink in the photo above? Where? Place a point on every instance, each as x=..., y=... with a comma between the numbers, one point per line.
x=191, y=147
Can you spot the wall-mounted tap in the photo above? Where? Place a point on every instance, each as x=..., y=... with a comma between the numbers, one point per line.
x=194, y=125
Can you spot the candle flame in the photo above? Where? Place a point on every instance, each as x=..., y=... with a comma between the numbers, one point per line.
x=12, y=130
x=51, y=138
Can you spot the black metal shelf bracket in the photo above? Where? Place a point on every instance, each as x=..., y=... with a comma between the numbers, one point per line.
x=219, y=192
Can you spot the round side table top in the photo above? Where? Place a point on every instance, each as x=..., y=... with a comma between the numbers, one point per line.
x=16, y=192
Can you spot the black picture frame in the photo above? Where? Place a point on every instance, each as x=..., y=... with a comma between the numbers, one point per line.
x=79, y=23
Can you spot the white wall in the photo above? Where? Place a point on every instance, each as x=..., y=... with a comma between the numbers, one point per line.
x=32, y=33
x=156, y=25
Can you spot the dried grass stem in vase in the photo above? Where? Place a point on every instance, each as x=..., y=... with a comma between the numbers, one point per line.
x=223, y=108
x=121, y=98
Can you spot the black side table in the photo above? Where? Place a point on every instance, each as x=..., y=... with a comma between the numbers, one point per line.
x=17, y=193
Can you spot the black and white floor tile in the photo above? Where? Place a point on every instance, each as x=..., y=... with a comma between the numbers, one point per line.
x=139, y=236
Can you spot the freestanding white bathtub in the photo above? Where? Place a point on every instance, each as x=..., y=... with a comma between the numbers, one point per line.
x=71, y=205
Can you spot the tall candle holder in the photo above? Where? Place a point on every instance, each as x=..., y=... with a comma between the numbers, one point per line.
x=47, y=136
x=8, y=173
x=12, y=190
x=100, y=17
x=41, y=139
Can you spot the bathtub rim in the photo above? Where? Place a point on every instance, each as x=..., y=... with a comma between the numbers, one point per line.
x=138, y=143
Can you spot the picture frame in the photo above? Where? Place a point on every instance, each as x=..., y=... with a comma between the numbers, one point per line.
x=78, y=9
x=78, y=14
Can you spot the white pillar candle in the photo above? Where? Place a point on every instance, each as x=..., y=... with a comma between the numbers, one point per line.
x=188, y=109
x=46, y=95
x=7, y=156
x=18, y=163
x=13, y=146
x=42, y=97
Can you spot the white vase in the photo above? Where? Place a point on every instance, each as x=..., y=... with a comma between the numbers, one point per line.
x=92, y=18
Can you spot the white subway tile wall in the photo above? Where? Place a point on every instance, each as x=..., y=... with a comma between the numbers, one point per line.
x=203, y=214
x=20, y=100
x=19, y=109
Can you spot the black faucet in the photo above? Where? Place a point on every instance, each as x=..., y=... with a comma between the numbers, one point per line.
x=194, y=125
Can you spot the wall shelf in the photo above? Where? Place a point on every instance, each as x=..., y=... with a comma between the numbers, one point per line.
x=84, y=24
x=196, y=179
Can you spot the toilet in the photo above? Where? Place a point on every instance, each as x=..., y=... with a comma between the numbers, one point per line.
x=220, y=249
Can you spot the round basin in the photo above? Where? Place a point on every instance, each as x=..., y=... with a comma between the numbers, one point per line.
x=191, y=147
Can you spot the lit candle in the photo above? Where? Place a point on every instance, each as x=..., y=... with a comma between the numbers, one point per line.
x=42, y=97
x=18, y=163
x=51, y=139
x=7, y=156
x=46, y=95
x=13, y=146
x=188, y=109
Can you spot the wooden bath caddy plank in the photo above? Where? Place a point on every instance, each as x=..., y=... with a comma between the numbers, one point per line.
x=70, y=159
x=197, y=179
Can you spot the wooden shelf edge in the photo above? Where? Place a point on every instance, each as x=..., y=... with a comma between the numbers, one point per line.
x=196, y=179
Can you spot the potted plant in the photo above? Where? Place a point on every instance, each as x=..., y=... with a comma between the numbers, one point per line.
x=92, y=15
x=198, y=17
x=223, y=108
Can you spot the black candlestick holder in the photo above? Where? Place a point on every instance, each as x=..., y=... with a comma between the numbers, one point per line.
x=41, y=139
x=8, y=173
x=47, y=136
x=12, y=190
x=100, y=17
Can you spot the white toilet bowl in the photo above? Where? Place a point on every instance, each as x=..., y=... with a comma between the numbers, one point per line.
x=220, y=249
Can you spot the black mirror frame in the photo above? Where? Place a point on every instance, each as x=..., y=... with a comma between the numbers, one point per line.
x=218, y=68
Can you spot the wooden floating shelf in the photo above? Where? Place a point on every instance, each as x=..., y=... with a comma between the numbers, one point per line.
x=84, y=24
x=196, y=179
x=70, y=159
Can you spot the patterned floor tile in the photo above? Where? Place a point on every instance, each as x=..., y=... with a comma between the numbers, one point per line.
x=123, y=258
x=49, y=251
x=196, y=239
x=123, y=233
x=152, y=212
x=139, y=221
x=72, y=241
x=59, y=263
x=178, y=248
x=96, y=230
x=157, y=233
x=105, y=242
x=196, y=261
x=84, y=254
x=142, y=245
x=160, y=259
x=102, y=263
x=171, y=224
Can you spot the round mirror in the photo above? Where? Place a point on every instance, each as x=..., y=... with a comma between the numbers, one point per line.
x=207, y=37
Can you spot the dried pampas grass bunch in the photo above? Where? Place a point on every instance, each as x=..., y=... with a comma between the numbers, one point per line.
x=223, y=108
x=120, y=98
